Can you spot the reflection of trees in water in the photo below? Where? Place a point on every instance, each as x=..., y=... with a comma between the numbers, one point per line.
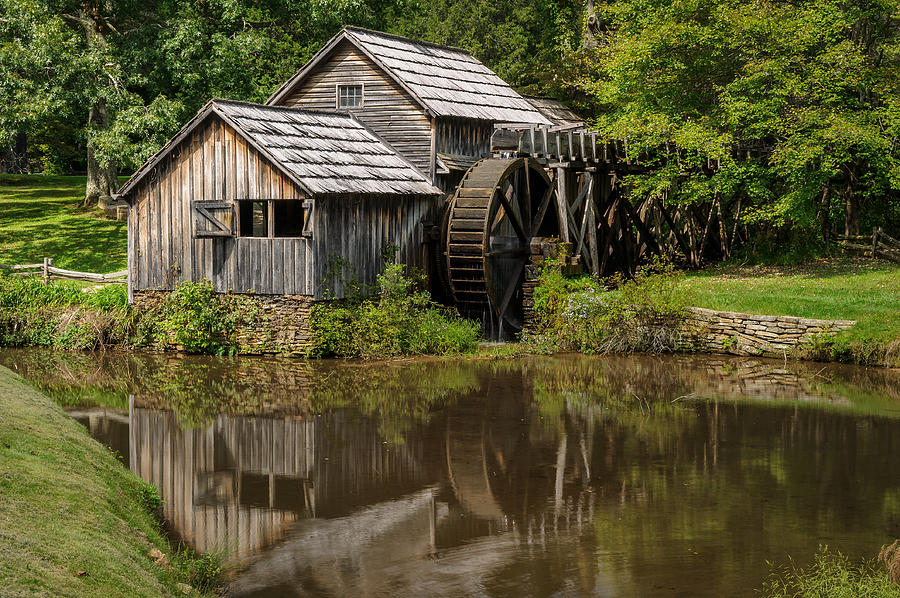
x=542, y=463
x=734, y=482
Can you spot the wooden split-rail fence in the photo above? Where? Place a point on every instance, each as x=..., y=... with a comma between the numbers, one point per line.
x=878, y=245
x=48, y=271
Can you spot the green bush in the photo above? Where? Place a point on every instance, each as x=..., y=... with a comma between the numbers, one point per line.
x=61, y=314
x=204, y=571
x=149, y=498
x=613, y=315
x=400, y=319
x=831, y=575
x=198, y=319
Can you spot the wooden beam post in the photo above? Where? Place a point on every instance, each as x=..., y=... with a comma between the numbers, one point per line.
x=48, y=261
x=562, y=203
x=593, y=202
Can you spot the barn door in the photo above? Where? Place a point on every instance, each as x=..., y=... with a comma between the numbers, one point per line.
x=213, y=219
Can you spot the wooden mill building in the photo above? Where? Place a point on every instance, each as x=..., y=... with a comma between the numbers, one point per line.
x=435, y=104
x=359, y=150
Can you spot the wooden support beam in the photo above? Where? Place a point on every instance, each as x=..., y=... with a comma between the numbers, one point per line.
x=593, y=202
x=673, y=227
x=644, y=231
x=562, y=203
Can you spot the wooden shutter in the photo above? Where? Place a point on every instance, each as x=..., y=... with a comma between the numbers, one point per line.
x=308, y=218
x=213, y=219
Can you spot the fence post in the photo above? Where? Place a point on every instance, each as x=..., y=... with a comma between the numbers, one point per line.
x=875, y=242
x=48, y=261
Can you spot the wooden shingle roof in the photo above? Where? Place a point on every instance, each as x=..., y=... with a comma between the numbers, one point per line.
x=324, y=153
x=445, y=81
x=327, y=152
x=555, y=111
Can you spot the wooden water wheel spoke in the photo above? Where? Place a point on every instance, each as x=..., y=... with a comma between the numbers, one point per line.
x=513, y=218
x=542, y=211
x=485, y=263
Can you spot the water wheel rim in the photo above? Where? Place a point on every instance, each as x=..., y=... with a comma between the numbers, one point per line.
x=479, y=195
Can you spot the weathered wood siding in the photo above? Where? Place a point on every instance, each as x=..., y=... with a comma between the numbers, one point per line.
x=356, y=231
x=212, y=164
x=209, y=477
x=387, y=108
x=463, y=137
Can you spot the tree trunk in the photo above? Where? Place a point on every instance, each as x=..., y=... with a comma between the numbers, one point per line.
x=101, y=182
x=824, y=212
x=851, y=211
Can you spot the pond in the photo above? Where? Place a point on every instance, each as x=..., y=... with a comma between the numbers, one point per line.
x=540, y=476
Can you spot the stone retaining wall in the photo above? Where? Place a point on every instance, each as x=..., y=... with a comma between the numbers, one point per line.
x=749, y=334
x=281, y=328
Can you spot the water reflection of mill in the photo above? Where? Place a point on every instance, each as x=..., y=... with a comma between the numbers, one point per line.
x=567, y=472
x=329, y=493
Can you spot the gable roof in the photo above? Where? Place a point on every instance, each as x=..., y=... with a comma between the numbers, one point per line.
x=445, y=81
x=555, y=111
x=322, y=152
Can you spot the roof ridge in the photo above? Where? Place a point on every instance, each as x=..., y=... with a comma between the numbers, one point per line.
x=410, y=40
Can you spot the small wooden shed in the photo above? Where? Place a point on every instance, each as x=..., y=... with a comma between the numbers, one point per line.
x=263, y=199
x=437, y=105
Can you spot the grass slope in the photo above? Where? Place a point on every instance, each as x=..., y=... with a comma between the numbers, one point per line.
x=67, y=505
x=864, y=290
x=41, y=216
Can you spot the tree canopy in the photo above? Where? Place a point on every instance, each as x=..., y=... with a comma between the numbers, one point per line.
x=794, y=103
x=786, y=109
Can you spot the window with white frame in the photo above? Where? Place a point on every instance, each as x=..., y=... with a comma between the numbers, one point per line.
x=349, y=96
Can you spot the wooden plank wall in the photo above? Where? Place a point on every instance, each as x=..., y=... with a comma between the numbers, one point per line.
x=337, y=461
x=356, y=230
x=387, y=109
x=464, y=137
x=213, y=164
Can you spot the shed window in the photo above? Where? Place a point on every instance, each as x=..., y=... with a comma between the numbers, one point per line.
x=272, y=218
x=350, y=96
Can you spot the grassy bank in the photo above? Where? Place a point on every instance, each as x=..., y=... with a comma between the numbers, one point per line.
x=73, y=520
x=41, y=216
x=864, y=290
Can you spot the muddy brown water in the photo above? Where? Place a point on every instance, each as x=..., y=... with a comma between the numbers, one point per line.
x=542, y=476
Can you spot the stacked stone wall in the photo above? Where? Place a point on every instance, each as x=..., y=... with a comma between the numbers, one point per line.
x=749, y=334
x=281, y=327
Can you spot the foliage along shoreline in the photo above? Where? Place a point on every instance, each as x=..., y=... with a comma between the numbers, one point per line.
x=396, y=318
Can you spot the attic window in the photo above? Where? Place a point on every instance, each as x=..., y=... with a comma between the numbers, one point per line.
x=349, y=96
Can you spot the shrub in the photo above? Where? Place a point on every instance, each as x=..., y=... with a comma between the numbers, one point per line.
x=61, y=315
x=200, y=320
x=204, y=571
x=401, y=319
x=831, y=575
x=613, y=315
x=149, y=498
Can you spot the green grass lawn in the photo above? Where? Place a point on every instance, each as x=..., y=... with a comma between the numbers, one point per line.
x=41, y=216
x=72, y=518
x=864, y=290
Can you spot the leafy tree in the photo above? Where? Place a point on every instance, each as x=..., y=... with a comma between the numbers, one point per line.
x=794, y=104
x=523, y=41
x=66, y=60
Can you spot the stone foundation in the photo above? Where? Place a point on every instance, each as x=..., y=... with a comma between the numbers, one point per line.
x=749, y=334
x=281, y=327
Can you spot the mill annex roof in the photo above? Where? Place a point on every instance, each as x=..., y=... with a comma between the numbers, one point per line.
x=445, y=81
x=323, y=152
x=555, y=111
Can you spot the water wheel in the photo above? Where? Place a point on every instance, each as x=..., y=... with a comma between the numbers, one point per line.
x=498, y=207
